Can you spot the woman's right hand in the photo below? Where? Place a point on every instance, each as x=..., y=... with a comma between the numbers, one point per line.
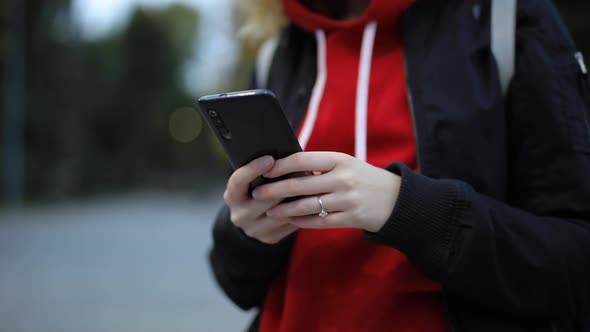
x=249, y=214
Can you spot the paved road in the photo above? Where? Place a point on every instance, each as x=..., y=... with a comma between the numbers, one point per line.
x=127, y=264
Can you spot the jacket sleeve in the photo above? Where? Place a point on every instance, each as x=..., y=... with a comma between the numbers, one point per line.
x=529, y=256
x=244, y=267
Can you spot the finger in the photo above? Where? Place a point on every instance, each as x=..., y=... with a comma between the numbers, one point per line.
x=298, y=186
x=250, y=211
x=306, y=162
x=333, y=220
x=308, y=206
x=264, y=227
x=281, y=233
x=239, y=182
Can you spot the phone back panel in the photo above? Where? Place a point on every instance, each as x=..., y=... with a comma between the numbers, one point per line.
x=255, y=122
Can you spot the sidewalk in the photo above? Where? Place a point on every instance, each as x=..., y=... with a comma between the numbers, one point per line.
x=125, y=264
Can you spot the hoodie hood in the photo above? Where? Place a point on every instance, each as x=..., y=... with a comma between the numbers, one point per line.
x=383, y=12
x=384, y=15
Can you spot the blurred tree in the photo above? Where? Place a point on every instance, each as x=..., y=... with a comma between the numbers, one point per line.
x=145, y=89
x=97, y=111
x=41, y=55
x=13, y=101
x=129, y=130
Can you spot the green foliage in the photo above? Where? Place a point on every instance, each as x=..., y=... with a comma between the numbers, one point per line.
x=97, y=111
x=129, y=130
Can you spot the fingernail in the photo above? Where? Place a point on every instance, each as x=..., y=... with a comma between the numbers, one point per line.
x=264, y=162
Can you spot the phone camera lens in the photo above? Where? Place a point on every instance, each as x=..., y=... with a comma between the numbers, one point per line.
x=212, y=113
x=226, y=134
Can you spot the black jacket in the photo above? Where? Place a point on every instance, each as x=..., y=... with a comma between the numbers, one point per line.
x=500, y=214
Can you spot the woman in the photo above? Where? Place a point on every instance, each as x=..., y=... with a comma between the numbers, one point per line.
x=438, y=204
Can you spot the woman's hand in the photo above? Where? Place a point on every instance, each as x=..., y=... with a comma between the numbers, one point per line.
x=356, y=194
x=249, y=214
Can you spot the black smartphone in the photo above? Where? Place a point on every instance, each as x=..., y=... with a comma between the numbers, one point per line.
x=249, y=124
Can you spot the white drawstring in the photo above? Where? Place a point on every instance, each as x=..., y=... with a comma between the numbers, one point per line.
x=318, y=90
x=362, y=91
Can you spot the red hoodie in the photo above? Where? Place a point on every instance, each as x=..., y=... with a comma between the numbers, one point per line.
x=335, y=279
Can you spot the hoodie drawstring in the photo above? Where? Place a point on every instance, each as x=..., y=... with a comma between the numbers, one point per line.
x=318, y=90
x=362, y=90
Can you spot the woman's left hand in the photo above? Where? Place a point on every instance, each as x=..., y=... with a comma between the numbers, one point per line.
x=354, y=193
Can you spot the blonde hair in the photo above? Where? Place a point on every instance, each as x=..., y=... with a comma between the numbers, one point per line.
x=257, y=21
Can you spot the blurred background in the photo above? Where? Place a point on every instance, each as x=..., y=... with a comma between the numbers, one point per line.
x=109, y=180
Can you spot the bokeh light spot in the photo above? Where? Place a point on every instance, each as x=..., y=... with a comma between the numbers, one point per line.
x=185, y=125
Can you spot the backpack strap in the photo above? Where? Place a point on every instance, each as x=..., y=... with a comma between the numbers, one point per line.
x=264, y=61
x=503, y=30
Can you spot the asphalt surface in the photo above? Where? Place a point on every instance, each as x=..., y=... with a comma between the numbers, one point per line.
x=116, y=264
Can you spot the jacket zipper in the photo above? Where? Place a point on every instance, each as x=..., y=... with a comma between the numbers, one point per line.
x=411, y=104
x=585, y=90
x=580, y=59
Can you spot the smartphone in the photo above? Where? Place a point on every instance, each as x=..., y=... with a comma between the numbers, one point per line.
x=249, y=124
